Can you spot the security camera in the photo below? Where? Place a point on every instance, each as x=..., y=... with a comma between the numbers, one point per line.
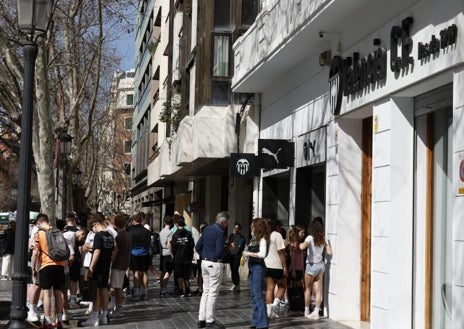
x=321, y=35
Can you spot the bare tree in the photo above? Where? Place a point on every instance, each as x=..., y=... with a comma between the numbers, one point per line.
x=73, y=75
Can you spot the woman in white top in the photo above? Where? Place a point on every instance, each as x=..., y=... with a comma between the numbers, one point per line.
x=315, y=243
x=276, y=273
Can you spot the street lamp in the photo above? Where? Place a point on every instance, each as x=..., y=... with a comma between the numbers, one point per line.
x=33, y=20
x=65, y=149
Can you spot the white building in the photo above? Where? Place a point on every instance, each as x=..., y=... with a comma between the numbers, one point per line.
x=385, y=167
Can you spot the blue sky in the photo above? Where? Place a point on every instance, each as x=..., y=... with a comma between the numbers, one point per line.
x=125, y=47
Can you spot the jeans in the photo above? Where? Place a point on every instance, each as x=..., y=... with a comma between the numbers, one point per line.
x=255, y=281
x=234, y=265
x=212, y=278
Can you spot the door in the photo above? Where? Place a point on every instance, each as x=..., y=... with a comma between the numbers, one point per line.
x=432, y=221
x=366, y=202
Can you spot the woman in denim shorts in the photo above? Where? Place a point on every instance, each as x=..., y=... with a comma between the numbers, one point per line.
x=315, y=243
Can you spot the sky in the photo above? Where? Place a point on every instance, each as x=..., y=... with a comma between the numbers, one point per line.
x=125, y=47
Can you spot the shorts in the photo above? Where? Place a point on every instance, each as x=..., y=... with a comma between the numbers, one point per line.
x=52, y=276
x=75, y=271
x=140, y=263
x=102, y=278
x=166, y=264
x=117, y=278
x=182, y=271
x=314, y=269
x=275, y=273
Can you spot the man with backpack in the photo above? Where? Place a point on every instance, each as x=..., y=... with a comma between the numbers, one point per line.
x=48, y=257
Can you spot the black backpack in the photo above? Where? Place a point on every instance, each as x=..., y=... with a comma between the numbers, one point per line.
x=155, y=244
x=57, y=246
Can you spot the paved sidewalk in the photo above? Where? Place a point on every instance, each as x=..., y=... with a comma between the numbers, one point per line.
x=233, y=310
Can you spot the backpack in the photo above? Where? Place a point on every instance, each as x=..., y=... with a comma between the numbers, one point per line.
x=57, y=246
x=155, y=244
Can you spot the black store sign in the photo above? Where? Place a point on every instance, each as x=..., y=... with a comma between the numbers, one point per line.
x=351, y=75
x=243, y=165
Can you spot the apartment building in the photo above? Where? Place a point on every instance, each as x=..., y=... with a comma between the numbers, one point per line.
x=370, y=94
x=191, y=111
x=116, y=166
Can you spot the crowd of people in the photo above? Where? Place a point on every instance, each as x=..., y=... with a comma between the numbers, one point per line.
x=285, y=268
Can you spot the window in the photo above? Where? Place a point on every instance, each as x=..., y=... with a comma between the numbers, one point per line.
x=221, y=55
x=130, y=99
x=127, y=146
x=127, y=168
x=128, y=123
x=250, y=10
x=221, y=92
x=222, y=15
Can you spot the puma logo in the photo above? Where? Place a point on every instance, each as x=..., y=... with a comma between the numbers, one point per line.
x=274, y=155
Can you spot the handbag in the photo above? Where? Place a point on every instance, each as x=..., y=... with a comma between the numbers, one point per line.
x=89, y=290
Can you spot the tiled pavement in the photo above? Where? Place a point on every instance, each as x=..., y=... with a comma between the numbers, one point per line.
x=233, y=310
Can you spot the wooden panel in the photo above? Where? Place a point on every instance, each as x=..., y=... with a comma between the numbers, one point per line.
x=366, y=220
x=429, y=225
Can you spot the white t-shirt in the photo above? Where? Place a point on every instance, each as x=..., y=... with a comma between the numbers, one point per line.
x=276, y=243
x=165, y=236
x=88, y=255
x=314, y=252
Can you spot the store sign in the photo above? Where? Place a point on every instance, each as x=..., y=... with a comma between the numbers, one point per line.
x=311, y=148
x=352, y=75
x=275, y=153
x=242, y=165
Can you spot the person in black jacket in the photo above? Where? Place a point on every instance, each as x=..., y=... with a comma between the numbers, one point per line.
x=182, y=252
x=7, y=260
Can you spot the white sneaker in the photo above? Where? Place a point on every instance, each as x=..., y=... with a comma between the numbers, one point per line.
x=32, y=317
x=90, y=323
x=273, y=315
x=313, y=316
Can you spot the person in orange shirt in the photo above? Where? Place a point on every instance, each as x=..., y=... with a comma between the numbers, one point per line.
x=51, y=274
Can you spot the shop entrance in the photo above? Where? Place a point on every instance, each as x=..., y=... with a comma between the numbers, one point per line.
x=310, y=194
x=432, y=220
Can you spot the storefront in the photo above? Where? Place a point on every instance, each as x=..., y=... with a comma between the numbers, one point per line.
x=379, y=154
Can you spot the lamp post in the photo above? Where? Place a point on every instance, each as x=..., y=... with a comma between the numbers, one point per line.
x=33, y=19
x=65, y=149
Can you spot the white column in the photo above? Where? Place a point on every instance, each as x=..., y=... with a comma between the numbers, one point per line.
x=392, y=214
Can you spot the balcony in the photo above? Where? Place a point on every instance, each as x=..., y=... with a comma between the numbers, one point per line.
x=286, y=33
x=202, y=146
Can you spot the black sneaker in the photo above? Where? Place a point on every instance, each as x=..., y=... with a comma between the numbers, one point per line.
x=201, y=324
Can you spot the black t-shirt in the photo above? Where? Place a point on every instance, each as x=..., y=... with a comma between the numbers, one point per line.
x=105, y=242
x=182, y=246
x=140, y=240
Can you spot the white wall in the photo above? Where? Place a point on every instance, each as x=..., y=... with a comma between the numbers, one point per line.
x=392, y=215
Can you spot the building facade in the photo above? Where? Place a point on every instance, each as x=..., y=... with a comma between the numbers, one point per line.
x=192, y=112
x=370, y=93
x=116, y=165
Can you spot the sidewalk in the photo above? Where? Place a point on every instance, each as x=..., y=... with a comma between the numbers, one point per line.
x=233, y=310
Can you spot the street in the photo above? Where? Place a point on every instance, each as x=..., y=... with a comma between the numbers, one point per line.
x=233, y=310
